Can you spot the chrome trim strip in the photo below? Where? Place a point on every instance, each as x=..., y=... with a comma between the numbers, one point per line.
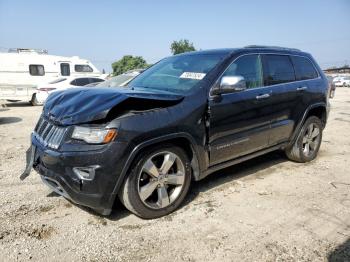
x=49, y=134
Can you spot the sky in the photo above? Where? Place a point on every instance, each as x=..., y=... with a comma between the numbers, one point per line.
x=104, y=31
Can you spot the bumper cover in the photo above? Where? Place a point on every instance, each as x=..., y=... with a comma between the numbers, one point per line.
x=56, y=171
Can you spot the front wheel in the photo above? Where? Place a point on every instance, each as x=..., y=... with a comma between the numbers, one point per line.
x=306, y=147
x=158, y=182
x=34, y=101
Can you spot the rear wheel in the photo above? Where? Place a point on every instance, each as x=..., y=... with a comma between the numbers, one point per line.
x=158, y=183
x=308, y=143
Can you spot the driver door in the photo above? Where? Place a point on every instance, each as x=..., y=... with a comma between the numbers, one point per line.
x=240, y=121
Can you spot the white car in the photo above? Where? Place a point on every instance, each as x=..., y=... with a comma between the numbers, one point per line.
x=43, y=91
x=342, y=81
x=119, y=80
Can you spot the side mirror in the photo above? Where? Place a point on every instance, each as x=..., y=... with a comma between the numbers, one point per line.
x=230, y=84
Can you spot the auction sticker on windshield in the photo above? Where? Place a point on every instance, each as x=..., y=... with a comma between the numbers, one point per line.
x=192, y=75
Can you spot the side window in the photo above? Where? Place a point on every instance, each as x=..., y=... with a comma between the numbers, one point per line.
x=65, y=69
x=83, y=68
x=36, y=70
x=304, y=69
x=82, y=81
x=277, y=69
x=249, y=67
x=95, y=80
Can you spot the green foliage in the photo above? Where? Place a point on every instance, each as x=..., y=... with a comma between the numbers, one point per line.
x=182, y=46
x=128, y=62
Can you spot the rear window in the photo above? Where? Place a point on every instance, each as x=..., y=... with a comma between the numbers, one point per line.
x=304, y=69
x=83, y=68
x=36, y=70
x=80, y=82
x=277, y=69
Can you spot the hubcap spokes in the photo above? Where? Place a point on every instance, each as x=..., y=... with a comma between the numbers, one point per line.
x=311, y=139
x=161, y=180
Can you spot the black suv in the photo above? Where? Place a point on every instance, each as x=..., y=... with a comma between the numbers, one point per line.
x=185, y=117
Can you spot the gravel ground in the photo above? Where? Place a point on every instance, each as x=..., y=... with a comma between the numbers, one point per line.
x=266, y=209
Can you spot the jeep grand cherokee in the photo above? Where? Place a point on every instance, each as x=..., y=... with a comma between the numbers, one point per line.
x=180, y=120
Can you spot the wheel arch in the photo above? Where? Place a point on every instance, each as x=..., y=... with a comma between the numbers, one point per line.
x=183, y=140
x=319, y=110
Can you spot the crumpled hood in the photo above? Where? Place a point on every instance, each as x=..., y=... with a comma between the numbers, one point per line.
x=82, y=105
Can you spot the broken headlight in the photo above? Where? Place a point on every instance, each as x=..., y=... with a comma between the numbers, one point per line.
x=94, y=135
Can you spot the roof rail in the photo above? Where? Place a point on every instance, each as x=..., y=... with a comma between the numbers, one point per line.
x=272, y=47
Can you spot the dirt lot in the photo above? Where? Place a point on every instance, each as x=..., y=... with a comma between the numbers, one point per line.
x=267, y=209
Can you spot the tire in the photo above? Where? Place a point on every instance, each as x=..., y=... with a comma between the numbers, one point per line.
x=34, y=101
x=156, y=161
x=344, y=84
x=299, y=151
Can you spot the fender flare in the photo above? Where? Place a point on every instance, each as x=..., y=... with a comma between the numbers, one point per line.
x=296, y=132
x=150, y=142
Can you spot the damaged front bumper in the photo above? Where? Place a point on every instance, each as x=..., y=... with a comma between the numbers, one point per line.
x=88, y=178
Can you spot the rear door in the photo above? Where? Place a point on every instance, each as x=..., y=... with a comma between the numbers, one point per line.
x=240, y=121
x=279, y=76
x=307, y=79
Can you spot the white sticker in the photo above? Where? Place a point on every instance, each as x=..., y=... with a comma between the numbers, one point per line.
x=192, y=75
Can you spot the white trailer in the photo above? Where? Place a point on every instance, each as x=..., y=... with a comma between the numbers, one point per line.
x=22, y=70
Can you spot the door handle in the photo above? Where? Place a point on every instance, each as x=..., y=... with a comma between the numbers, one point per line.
x=264, y=96
x=302, y=88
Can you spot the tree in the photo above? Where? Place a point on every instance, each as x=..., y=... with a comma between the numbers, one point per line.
x=128, y=62
x=182, y=46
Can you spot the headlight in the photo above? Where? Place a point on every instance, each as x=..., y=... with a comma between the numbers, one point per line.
x=94, y=135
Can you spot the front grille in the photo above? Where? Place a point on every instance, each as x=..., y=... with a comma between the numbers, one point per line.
x=49, y=134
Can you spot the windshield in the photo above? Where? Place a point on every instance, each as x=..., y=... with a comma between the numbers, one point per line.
x=178, y=74
x=116, y=81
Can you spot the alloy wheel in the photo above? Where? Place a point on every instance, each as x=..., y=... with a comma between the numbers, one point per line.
x=161, y=180
x=311, y=139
